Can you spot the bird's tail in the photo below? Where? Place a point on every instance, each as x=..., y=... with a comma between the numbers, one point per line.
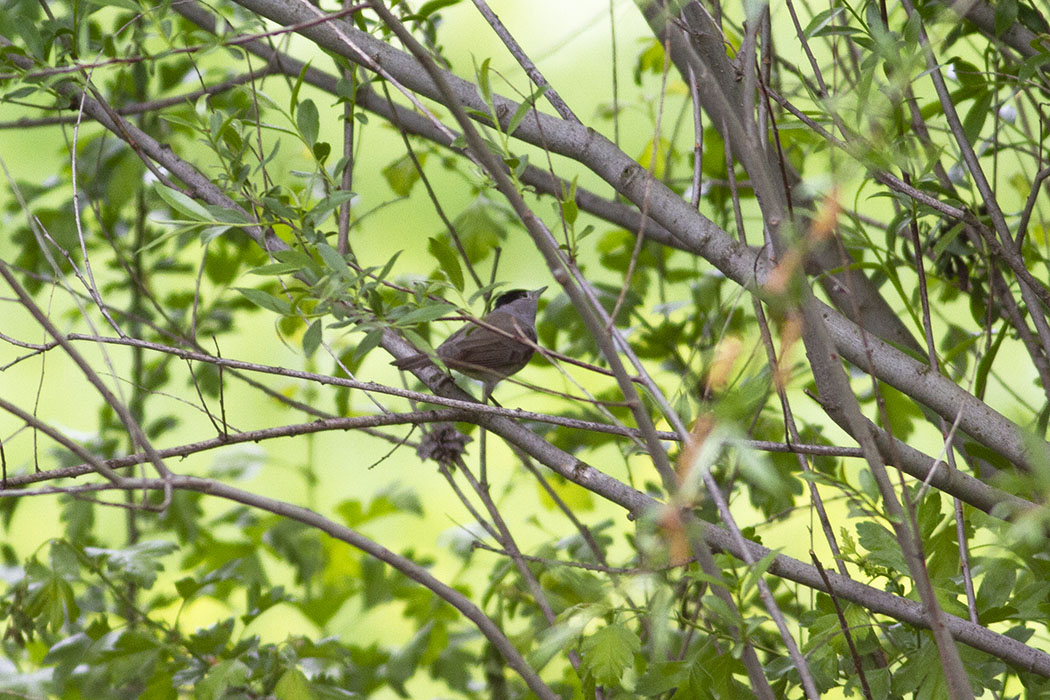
x=411, y=362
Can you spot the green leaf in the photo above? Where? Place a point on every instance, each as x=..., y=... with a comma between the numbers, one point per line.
x=650, y=61
x=555, y=638
x=389, y=501
x=308, y=120
x=657, y=155
x=756, y=571
x=265, y=300
x=323, y=209
x=448, y=260
x=333, y=259
x=322, y=149
x=722, y=609
x=901, y=411
x=132, y=657
x=883, y=548
x=312, y=337
x=609, y=651
x=985, y=365
x=279, y=268
x=947, y=239
x=69, y=650
x=388, y=267
x=293, y=685
x=369, y=343
x=129, y=5
x=820, y=21
x=929, y=514
x=211, y=640
x=402, y=174
x=483, y=83
x=212, y=232
x=661, y=677
x=377, y=589
x=138, y=563
x=479, y=230
x=183, y=204
x=79, y=518
x=161, y=686
x=299, y=80
x=1005, y=15
x=187, y=587
x=426, y=313
x=524, y=108
x=570, y=211
x=226, y=673
x=977, y=115
x=997, y=583
x=433, y=6
x=402, y=665
x=229, y=215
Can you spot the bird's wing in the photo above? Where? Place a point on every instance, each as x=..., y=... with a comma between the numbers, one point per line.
x=475, y=347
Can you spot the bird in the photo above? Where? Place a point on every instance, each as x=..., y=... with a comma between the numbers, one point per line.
x=484, y=354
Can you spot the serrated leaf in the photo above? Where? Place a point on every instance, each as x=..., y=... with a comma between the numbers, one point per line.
x=721, y=608
x=558, y=636
x=663, y=676
x=221, y=676
x=883, y=548
x=997, y=585
x=293, y=685
x=139, y=562
x=211, y=640
x=69, y=650
x=609, y=651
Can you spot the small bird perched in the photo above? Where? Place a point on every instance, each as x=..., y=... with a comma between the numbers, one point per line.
x=484, y=354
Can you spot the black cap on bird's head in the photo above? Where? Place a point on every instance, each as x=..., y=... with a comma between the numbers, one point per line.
x=516, y=294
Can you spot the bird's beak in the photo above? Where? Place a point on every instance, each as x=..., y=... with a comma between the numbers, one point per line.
x=535, y=293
